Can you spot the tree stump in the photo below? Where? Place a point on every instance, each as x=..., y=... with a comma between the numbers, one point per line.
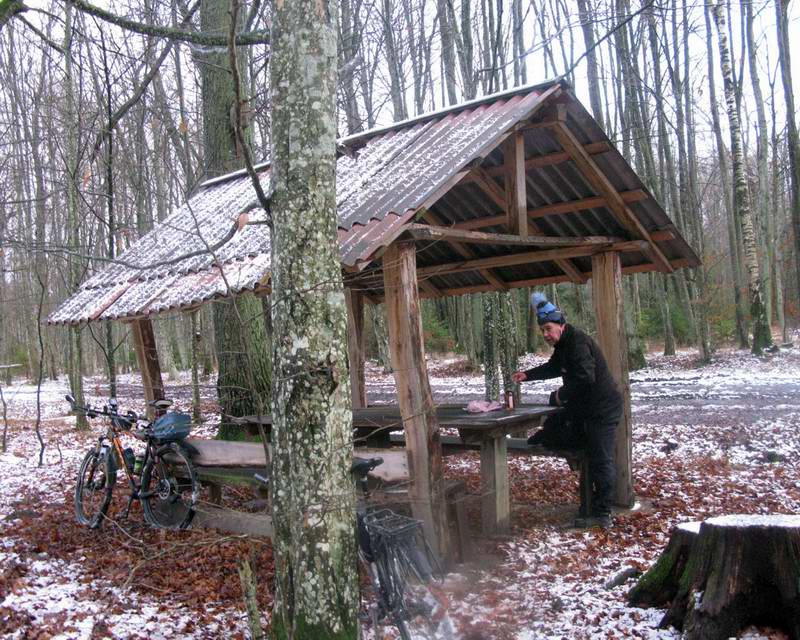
x=659, y=585
x=741, y=570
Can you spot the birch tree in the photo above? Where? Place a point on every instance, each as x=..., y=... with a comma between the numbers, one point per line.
x=762, y=336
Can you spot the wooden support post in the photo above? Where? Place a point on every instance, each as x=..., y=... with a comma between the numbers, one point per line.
x=144, y=341
x=495, y=498
x=516, y=193
x=355, y=346
x=607, y=294
x=427, y=492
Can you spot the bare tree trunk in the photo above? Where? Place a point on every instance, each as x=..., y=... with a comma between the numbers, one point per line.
x=75, y=348
x=762, y=212
x=587, y=18
x=784, y=56
x=316, y=594
x=762, y=337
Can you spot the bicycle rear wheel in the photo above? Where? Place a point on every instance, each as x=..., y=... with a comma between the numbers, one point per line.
x=169, y=488
x=94, y=486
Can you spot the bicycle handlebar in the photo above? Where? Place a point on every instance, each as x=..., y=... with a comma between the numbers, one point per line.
x=125, y=421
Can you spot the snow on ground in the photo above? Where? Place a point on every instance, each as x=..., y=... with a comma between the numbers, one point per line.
x=708, y=441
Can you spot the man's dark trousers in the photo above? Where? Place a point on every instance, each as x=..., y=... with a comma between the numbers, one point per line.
x=600, y=445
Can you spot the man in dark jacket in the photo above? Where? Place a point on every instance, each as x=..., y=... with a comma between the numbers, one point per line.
x=592, y=402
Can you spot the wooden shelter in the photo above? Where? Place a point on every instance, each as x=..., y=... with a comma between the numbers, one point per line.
x=516, y=189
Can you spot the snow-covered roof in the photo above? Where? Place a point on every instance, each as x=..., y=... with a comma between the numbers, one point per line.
x=384, y=179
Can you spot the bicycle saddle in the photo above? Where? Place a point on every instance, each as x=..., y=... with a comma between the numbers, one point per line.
x=160, y=404
x=362, y=466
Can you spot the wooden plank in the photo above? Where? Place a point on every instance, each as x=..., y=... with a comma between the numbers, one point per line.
x=451, y=234
x=598, y=180
x=557, y=208
x=495, y=495
x=535, y=282
x=516, y=188
x=608, y=300
x=226, y=453
x=489, y=186
x=550, y=159
x=488, y=274
x=529, y=257
x=414, y=392
x=230, y=521
x=144, y=341
x=355, y=346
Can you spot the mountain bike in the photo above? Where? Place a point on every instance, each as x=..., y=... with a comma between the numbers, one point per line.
x=162, y=477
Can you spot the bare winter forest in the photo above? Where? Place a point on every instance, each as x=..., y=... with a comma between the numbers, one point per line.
x=115, y=115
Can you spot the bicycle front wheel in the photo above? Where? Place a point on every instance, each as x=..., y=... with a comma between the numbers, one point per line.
x=169, y=488
x=93, y=489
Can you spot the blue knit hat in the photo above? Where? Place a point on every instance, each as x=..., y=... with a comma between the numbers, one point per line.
x=546, y=311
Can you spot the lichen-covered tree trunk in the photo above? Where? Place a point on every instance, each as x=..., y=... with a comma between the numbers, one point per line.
x=243, y=352
x=507, y=344
x=762, y=336
x=316, y=588
x=491, y=355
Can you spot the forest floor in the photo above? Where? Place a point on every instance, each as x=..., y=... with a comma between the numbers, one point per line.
x=712, y=440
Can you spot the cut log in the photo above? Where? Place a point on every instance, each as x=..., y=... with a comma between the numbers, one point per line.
x=742, y=570
x=659, y=585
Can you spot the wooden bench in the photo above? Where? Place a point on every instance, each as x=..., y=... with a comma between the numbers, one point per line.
x=220, y=462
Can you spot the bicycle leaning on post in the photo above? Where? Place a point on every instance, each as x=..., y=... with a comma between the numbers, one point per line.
x=162, y=478
x=392, y=549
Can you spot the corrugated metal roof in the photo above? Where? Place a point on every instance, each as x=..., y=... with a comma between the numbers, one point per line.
x=384, y=178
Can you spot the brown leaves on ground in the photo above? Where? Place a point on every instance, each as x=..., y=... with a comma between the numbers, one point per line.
x=196, y=568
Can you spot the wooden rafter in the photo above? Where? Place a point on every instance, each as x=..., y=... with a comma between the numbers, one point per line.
x=537, y=282
x=557, y=208
x=598, y=180
x=549, y=159
x=451, y=234
x=488, y=184
x=466, y=252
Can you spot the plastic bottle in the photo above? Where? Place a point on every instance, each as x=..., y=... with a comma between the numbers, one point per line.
x=130, y=458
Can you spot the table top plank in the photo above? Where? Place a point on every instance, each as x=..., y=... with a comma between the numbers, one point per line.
x=448, y=415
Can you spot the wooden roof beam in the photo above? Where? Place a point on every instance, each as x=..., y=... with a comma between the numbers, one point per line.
x=516, y=187
x=465, y=252
x=488, y=184
x=557, y=208
x=535, y=282
x=529, y=256
x=598, y=180
x=549, y=159
x=458, y=236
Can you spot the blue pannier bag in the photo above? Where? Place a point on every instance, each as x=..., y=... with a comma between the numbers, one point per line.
x=172, y=426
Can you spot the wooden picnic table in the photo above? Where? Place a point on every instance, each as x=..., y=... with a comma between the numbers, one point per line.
x=489, y=430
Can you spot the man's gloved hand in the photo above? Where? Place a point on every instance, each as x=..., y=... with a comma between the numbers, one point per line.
x=554, y=401
x=519, y=376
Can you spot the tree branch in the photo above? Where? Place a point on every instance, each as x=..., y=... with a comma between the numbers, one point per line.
x=237, y=120
x=8, y=9
x=209, y=40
